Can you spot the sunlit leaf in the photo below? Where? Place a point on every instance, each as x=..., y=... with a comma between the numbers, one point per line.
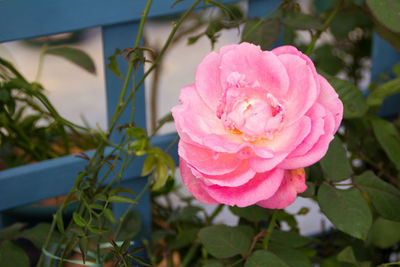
x=78, y=219
x=121, y=199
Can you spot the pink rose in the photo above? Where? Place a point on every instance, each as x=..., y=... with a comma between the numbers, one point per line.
x=251, y=122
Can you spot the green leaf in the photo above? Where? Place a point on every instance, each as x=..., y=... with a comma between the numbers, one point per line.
x=290, y=239
x=223, y=241
x=73, y=55
x=184, y=238
x=347, y=19
x=161, y=175
x=253, y=213
x=262, y=258
x=327, y=61
x=113, y=65
x=387, y=12
x=78, y=219
x=334, y=164
x=12, y=255
x=290, y=256
x=346, y=209
x=37, y=234
x=4, y=95
x=11, y=231
x=384, y=233
x=389, y=138
x=136, y=132
x=333, y=262
x=392, y=37
x=117, y=190
x=310, y=191
x=353, y=100
x=263, y=33
x=396, y=69
x=188, y=213
x=140, y=261
x=110, y=216
x=131, y=226
x=376, y=97
x=347, y=255
x=301, y=21
x=60, y=222
x=213, y=263
x=83, y=247
x=384, y=197
x=121, y=199
x=150, y=163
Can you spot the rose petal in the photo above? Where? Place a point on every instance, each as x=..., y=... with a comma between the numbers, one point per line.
x=317, y=151
x=317, y=114
x=262, y=186
x=330, y=99
x=207, y=161
x=237, y=177
x=259, y=67
x=283, y=143
x=207, y=80
x=235, y=145
x=193, y=118
x=303, y=89
x=292, y=184
x=193, y=184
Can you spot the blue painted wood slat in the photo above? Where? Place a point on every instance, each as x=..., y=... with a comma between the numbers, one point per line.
x=21, y=19
x=55, y=177
x=384, y=57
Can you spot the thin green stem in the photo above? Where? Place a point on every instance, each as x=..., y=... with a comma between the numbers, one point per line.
x=270, y=229
x=40, y=64
x=190, y=255
x=326, y=25
x=122, y=218
x=255, y=26
x=156, y=61
x=120, y=107
x=217, y=210
x=389, y=264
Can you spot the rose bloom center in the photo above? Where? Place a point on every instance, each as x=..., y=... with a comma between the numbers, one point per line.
x=249, y=110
